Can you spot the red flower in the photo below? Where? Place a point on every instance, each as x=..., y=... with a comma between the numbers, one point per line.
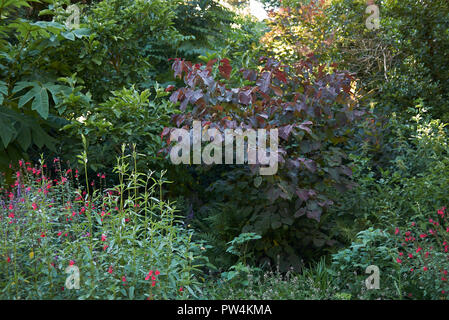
x=71, y=263
x=110, y=270
x=425, y=268
x=398, y=260
x=153, y=283
x=103, y=237
x=396, y=231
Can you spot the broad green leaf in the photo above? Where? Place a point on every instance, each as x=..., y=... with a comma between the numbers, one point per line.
x=3, y=90
x=24, y=138
x=7, y=131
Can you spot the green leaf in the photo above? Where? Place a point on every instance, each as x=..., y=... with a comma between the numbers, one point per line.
x=40, y=103
x=68, y=35
x=6, y=131
x=24, y=138
x=22, y=85
x=3, y=90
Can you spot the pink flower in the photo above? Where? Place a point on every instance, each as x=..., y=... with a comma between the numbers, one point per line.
x=422, y=235
x=418, y=250
x=396, y=231
x=157, y=272
x=103, y=237
x=153, y=283
x=147, y=277
x=398, y=260
x=110, y=270
x=425, y=268
x=71, y=263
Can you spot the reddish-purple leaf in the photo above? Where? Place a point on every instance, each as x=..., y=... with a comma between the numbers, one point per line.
x=303, y=194
x=264, y=82
x=284, y=132
x=225, y=68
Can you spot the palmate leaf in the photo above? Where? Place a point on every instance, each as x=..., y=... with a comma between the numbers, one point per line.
x=7, y=131
x=23, y=129
x=39, y=94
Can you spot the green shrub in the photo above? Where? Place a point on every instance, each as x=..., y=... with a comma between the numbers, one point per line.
x=129, y=116
x=412, y=181
x=372, y=247
x=422, y=253
x=313, y=283
x=126, y=240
